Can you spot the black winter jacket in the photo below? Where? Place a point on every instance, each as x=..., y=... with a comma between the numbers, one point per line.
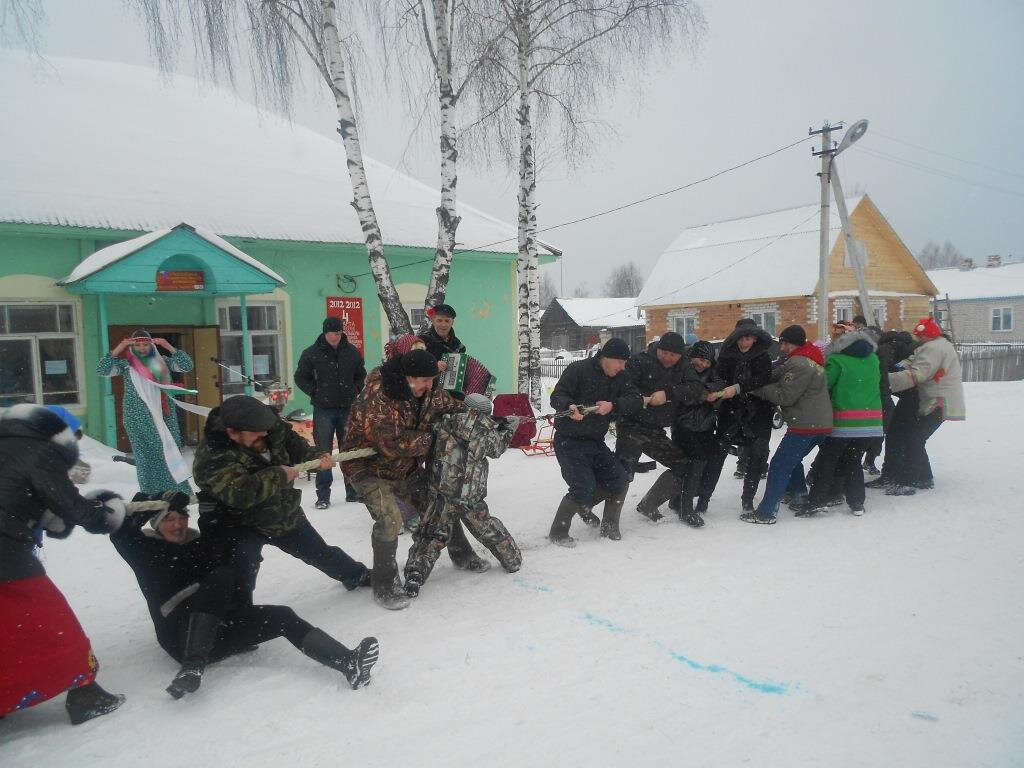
x=36, y=451
x=893, y=347
x=585, y=383
x=331, y=376
x=695, y=414
x=648, y=375
x=438, y=346
x=167, y=573
x=743, y=416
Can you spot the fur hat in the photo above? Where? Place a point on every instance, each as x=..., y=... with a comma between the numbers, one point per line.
x=746, y=321
x=333, y=325
x=672, y=342
x=31, y=420
x=794, y=334
x=419, y=362
x=616, y=349
x=928, y=328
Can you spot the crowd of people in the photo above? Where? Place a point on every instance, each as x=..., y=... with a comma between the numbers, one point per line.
x=416, y=455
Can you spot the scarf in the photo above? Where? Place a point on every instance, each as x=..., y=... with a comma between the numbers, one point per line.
x=153, y=368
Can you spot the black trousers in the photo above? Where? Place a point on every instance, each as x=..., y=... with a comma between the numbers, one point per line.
x=700, y=447
x=837, y=468
x=913, y=466
x=759, y=448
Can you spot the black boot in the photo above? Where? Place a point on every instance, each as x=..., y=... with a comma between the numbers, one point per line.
x=559, y=533
x=702, y=504
x=90, y=701
x=387, y=588
x=587, y=516
x=665, y=487
x=354, y=665
x=203, y=630
x=610, y=520
x=676, y=503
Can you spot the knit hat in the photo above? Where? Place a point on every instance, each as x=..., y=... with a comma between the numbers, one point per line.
x=419, y=362
x=401, y=346
x=247, y=414
x=672, y=342
x=928, y=328
x=333, y=325
x=444, y=310
x=478, y=402
x=615, y=348
x=177, y=501
x=703, y=350
x=794, y=334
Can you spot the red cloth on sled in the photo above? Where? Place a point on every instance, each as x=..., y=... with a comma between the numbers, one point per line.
x=43, y=650
x=517, y=405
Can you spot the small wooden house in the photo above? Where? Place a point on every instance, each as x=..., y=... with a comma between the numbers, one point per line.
x=578, y=323
x=765, y=267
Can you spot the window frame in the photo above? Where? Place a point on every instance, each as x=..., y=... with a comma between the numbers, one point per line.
x=33, y=339
x=1001, y=313
x=758, y=318
x=226, y=304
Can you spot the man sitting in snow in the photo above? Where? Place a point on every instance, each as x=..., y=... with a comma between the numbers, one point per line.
x=457, y=486
x=190, y=591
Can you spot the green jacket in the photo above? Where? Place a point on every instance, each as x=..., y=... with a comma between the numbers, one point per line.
x=243, y=488
x=854, y=374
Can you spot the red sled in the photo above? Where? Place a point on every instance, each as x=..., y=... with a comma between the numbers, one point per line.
x=528, y=438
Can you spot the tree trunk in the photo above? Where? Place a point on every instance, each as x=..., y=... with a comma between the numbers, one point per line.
x=526, y=266
x=389, y=299
x=447, y=221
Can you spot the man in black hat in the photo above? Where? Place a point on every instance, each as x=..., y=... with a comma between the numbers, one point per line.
x=588, y=467
x=331, y=372
x=243, y=468
x=440, y=338
x=660, y=374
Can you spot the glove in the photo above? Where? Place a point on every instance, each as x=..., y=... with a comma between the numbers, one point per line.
x=112, y=507
x=176, y=501
x=513, y=422
x=54, y=526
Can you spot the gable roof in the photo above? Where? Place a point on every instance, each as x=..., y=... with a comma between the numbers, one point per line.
x=764, y=256
x=115, y=146
x=603, y=312
x=1006, y=281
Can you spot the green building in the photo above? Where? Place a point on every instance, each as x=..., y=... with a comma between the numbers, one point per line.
x=231, y=207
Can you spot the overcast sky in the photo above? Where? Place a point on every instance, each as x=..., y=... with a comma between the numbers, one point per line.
x=945, y=76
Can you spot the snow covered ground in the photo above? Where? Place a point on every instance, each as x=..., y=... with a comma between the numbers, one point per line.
x=891, y=639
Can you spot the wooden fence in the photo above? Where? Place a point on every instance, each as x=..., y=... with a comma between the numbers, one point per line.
x=992, y=362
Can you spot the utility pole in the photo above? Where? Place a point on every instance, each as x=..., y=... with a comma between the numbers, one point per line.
x=825, y=154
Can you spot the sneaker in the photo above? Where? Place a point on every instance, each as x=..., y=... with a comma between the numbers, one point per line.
x=692, y=519
x=856, y=511
x=651, y=514
x=901, y=490
x=836, y=501
x=753, y=517
x=357, y=670
x=322, y=504
x=797, y=503
x=363, y=580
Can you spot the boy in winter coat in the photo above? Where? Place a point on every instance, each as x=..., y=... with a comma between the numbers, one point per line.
x=934, y=370
x=191, y=594
x=893, y=346
x=852, y=372
x=457, y=486
x=43, y=649
x=799, y=387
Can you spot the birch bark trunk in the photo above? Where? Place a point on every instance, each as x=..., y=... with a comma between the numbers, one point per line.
x=361, y=201
x=447, y=220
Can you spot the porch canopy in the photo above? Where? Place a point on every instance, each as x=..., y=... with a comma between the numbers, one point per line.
x=180, y=261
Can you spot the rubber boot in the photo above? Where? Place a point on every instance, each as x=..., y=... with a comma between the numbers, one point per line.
x=387, y=588
x=461, y=551
x=665, y=487
x=612, y=511
x=89, y=701
x=354, y=665
x=508, y=554
x=559, y=533
x=203, y=630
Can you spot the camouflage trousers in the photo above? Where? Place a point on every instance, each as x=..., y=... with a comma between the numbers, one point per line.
x=384, y=500
x=440, y=527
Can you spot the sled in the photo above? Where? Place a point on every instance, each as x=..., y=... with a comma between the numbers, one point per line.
x=544, y=443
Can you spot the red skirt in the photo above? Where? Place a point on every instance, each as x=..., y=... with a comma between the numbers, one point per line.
x=43, y=650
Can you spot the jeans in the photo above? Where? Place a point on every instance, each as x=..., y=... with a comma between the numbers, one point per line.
x=786, y=471
x=586, y=464
x=328, y=423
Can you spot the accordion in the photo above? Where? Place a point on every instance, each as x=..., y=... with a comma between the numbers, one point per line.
x=467, y=375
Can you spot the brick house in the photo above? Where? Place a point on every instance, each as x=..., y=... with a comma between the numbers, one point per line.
x=766, y=267
x=983, y=304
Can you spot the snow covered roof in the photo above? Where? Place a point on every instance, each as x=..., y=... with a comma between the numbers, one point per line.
x=603, y=313
x=114, y=146
x=980, y=282
x=104, y=257
x=757, y=257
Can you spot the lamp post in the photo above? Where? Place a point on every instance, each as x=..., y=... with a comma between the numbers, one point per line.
x=855, y=250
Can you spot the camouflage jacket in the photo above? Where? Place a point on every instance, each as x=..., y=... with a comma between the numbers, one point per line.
x=241, y=487
x=385, y=416
x=458, y=462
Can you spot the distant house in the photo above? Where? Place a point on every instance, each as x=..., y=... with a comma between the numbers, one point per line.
x=577, y=323
x=765, y=267
x=985, y=304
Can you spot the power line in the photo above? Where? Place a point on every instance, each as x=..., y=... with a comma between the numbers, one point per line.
x=944, y=154
x=916, y=166
x=606, y=212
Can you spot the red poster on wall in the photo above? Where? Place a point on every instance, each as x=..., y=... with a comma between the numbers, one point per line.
x=350, y=310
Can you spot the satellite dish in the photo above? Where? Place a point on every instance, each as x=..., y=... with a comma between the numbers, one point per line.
x=855, y=131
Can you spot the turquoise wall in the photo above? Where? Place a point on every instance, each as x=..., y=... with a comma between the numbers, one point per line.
x=482, y=289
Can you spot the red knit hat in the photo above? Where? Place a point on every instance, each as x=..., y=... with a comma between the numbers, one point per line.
x=928, y=328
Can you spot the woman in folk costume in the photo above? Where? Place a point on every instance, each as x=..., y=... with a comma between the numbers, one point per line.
x=148, y=409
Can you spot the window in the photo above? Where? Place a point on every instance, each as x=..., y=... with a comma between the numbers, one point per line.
x=265, y=337
x=765, y=320
x=844, y=314
x=38, y=354
x=942, y=318
x=1002, y=319
x=685, y=326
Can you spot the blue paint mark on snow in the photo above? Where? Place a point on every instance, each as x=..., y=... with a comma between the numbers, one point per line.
x=527, y=585
x=920, y=715
x=715, y=669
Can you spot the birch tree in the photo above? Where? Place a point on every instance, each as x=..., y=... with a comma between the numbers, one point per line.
x=280, y=35
x=549, y=70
